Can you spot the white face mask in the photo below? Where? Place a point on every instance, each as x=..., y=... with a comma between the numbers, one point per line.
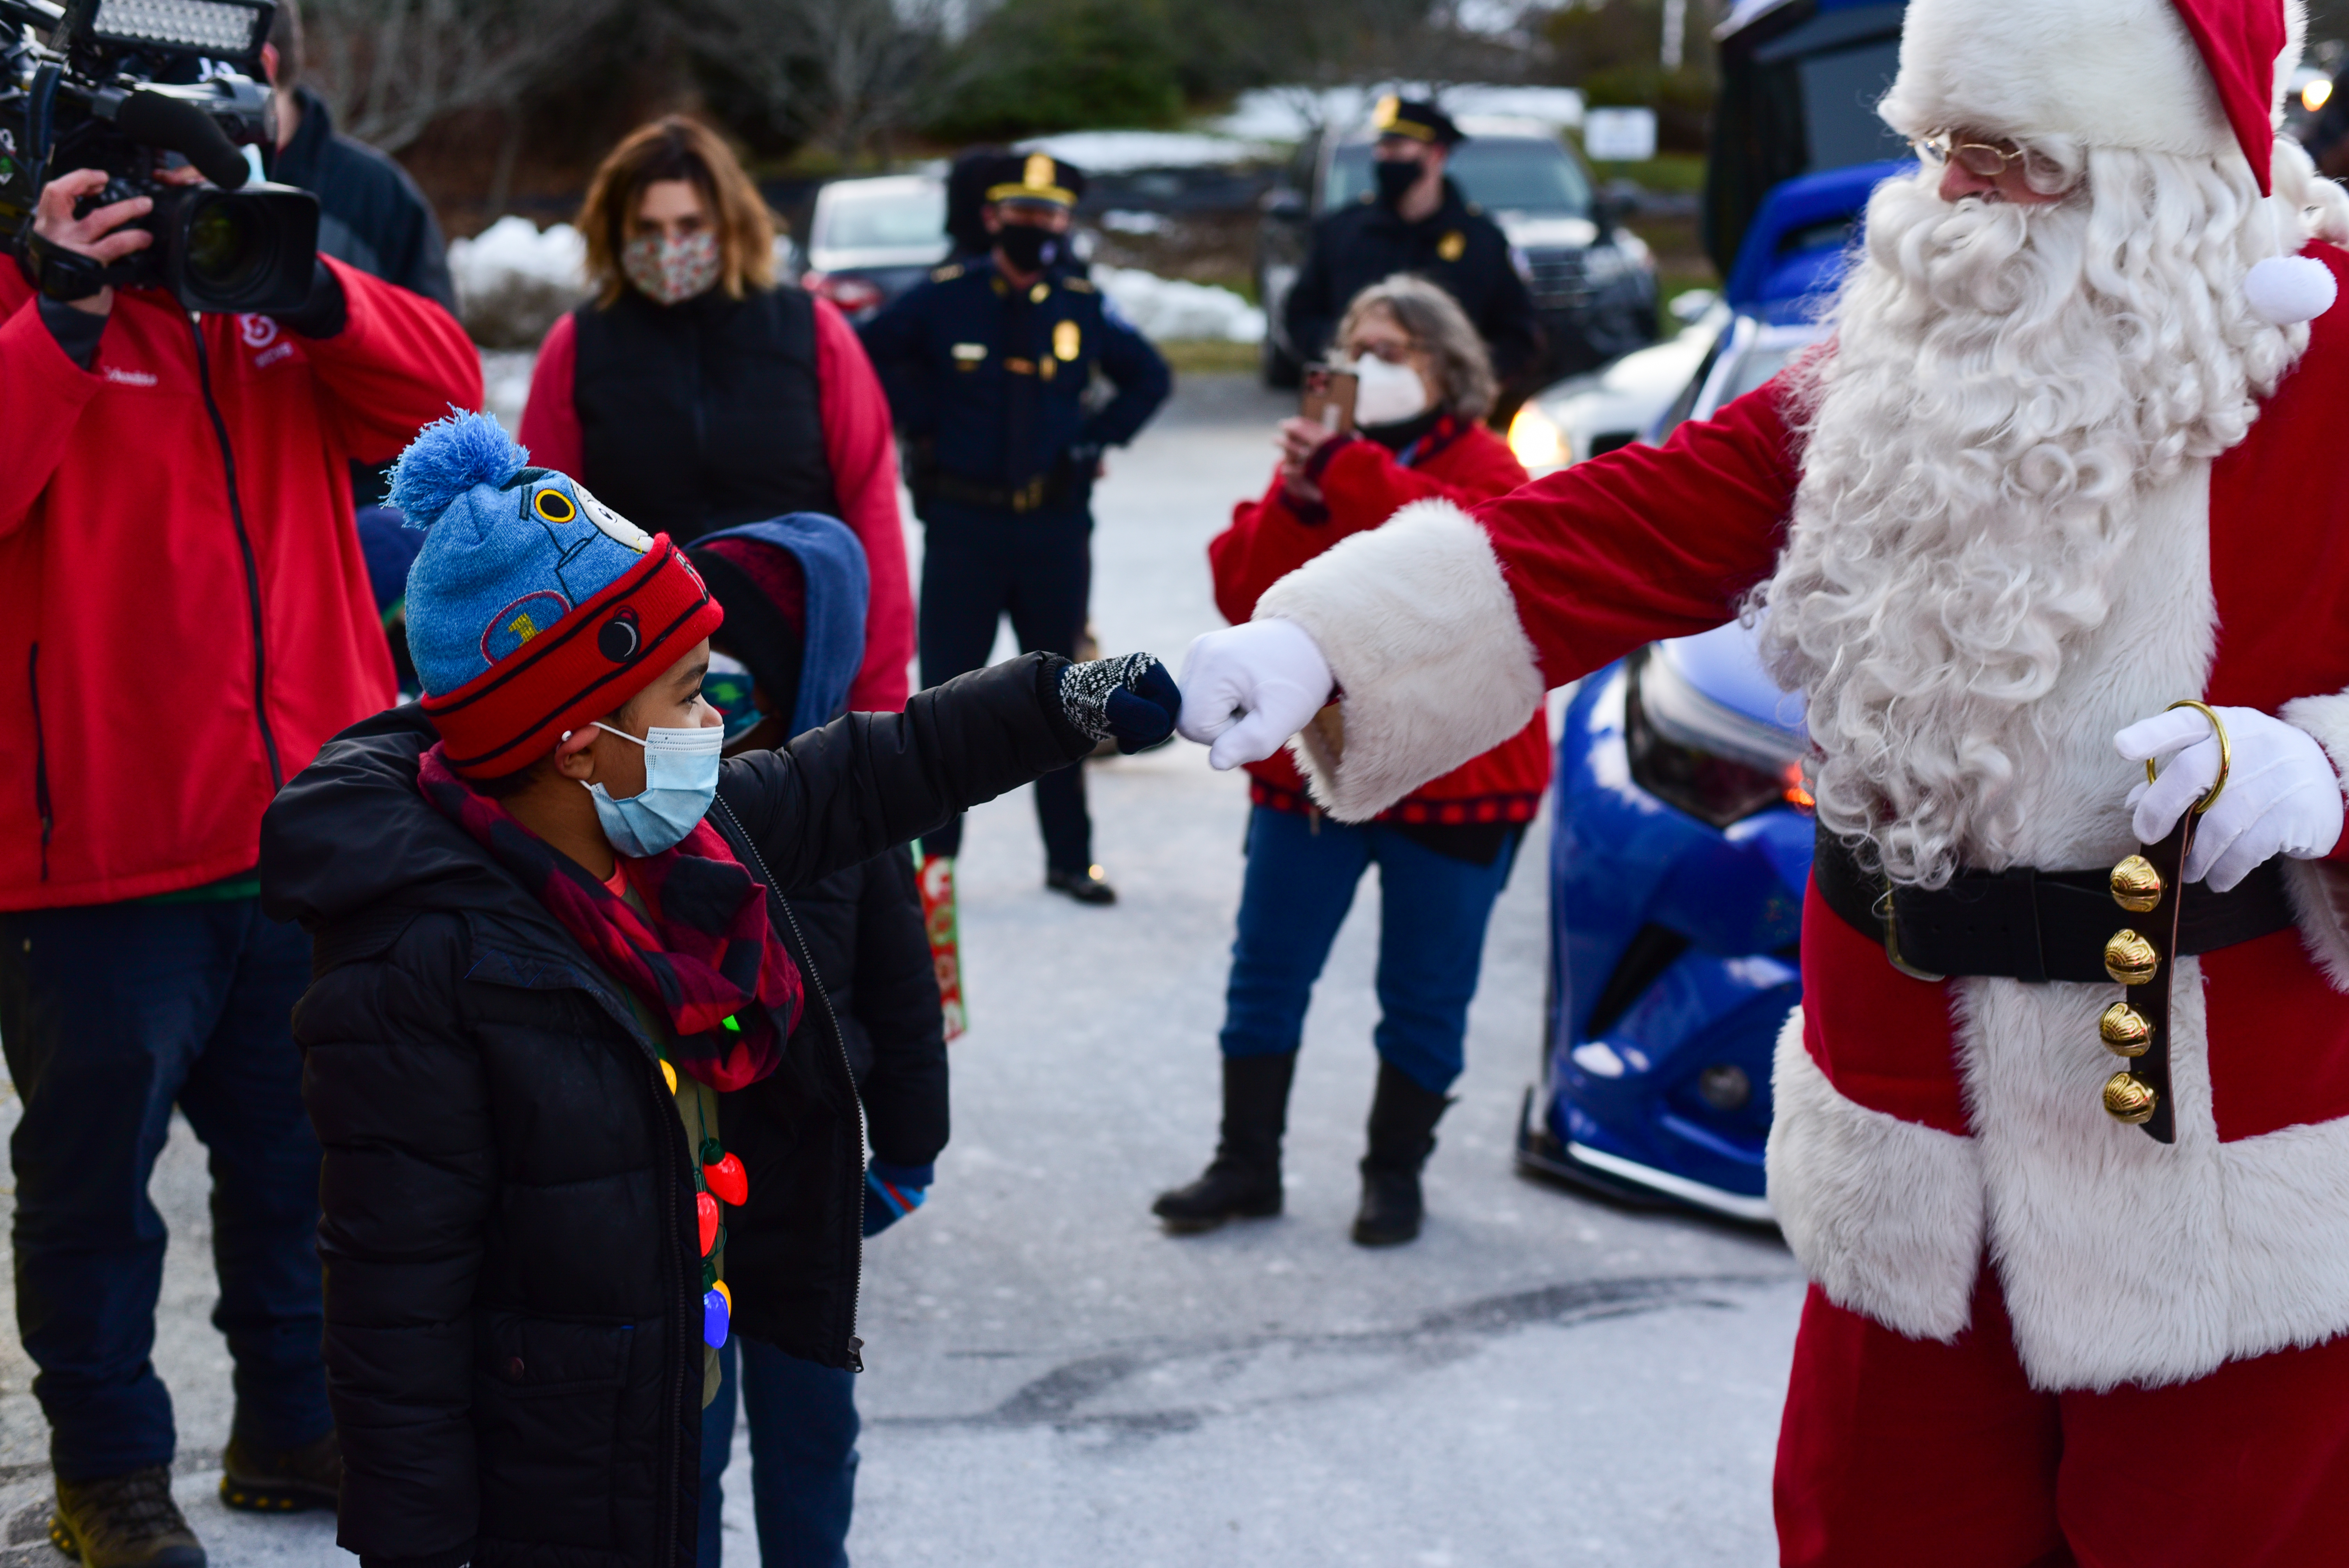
x=680, y=780
x=1387, y=394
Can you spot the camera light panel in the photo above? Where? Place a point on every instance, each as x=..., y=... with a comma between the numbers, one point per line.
x=220, y=27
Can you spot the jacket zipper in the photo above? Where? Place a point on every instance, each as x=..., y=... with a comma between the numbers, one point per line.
x=848, y=1070
x=244, y=544
x=40, y=761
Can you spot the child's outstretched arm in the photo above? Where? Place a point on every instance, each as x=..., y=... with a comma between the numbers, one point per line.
x=868, y=781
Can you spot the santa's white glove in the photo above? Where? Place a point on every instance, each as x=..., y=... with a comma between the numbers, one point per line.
x=1249, y=688
x=2283, y=796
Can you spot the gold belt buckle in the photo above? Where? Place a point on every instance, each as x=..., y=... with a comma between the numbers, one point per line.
x=1892, y=940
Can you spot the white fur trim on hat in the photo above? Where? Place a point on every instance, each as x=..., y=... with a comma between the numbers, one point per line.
x=2112, y=73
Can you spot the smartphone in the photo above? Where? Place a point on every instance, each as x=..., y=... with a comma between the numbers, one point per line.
x=1328, y=398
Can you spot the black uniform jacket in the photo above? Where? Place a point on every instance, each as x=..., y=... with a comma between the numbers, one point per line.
x=1458, y=247
x=513, y=1301
x=987, y=381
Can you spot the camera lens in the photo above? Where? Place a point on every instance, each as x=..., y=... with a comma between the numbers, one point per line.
x=225, y=248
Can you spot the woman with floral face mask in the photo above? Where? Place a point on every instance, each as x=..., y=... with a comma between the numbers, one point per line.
x=697, y=391
x=1443, y=851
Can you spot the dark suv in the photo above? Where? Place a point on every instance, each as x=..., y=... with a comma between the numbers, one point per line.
x=1592, y=279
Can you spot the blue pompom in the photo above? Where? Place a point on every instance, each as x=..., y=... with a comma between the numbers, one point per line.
x=448, y=458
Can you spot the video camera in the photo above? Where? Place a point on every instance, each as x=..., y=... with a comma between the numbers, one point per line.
x=134, y=87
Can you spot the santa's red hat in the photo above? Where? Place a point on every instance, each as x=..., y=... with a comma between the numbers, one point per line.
x=2197, y=78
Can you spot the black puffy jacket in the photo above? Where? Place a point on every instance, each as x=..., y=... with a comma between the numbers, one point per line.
x=792, y=1252
x=512, y=1289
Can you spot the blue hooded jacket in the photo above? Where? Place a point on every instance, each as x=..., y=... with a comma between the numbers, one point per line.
x=831, y=564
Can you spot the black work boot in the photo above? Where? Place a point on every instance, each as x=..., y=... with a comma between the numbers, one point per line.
x=1403, y=1134
x=282, y=1481
x=1244, y=1181
x=124, y=1521
x=1086, y=884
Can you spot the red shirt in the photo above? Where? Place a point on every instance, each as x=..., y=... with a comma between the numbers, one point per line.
x=1362, y=485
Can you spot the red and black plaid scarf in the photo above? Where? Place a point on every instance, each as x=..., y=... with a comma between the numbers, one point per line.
x=708, y=953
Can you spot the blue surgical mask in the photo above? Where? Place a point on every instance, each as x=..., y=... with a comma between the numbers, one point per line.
x=680, y=780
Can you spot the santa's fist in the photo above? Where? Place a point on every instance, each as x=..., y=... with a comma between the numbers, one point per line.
x=1247, y=689
x=2282, y=796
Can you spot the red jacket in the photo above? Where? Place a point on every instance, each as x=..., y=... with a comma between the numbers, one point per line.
x=1362, y=485
x=858, y=444
x=163, y=669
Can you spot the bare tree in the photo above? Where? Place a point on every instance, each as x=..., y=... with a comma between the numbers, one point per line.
x=389, y=68
x=844, y=74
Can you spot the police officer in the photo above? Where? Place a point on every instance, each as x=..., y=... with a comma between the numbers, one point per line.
x=1416, y=221
x=986, y=368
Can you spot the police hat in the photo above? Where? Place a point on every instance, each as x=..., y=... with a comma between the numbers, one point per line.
x=1035, y=177
x=1415, y=121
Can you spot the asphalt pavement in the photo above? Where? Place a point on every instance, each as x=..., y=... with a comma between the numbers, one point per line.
x=1540, y=1379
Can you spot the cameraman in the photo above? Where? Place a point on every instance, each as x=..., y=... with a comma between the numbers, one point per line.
x=184, y=617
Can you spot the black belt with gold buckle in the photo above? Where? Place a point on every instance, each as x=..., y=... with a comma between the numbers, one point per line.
x=2032, y=925
x=2027, y=924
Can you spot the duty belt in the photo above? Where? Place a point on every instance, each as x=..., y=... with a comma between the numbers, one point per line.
x=1044, y=491
x=2034, y=925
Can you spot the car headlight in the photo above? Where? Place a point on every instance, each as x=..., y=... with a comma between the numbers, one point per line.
x=1536, y=441
x=1688, y=752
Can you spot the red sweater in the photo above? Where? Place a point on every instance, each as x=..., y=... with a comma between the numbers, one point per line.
x=163, y=670
x=858, y=444
x=1362, y=485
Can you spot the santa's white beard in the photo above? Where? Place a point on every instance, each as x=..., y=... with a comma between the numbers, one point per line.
x=2004, y=381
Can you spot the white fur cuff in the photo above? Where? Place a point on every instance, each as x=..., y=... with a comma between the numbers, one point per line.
x=1885, y=1214
x=1421, y=633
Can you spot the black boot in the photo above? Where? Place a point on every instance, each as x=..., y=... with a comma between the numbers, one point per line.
x=124, y=1521
x=1244, y=1181
x=1403, y=1134
x=282, y=1480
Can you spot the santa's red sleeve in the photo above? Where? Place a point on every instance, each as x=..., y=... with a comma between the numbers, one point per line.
x=862, y=453
x=550, y=419
x=1444, y=628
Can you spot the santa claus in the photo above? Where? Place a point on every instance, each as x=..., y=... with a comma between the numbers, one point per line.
x=2075, y=453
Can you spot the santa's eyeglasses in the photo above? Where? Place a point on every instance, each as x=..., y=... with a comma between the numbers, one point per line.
x=1987, y=159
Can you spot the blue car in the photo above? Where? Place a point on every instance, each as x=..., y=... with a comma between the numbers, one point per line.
x=1683, y=837
x=1677, y=867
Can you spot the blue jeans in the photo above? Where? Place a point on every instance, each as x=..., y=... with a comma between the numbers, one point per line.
x=802, y=1455
x=109, y=1013
x=1433, y=910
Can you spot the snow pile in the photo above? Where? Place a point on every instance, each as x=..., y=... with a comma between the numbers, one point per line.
x=505, y=382
x=1119, y=152
x=1292, y=113
x=1167, y=308
x=512, y=280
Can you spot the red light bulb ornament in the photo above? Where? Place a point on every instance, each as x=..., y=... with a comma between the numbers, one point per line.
x=705, y=1212
x=727, y=1180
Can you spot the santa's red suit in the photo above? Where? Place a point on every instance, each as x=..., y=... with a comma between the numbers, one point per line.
x=2034, y=1334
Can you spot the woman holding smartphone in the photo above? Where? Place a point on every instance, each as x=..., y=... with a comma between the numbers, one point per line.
x=697, y=391
x=1422, y=383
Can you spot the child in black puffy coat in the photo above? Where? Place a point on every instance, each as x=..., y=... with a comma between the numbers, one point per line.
x=794, y=593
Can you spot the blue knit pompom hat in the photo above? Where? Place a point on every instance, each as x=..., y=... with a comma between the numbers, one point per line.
x=533, y=607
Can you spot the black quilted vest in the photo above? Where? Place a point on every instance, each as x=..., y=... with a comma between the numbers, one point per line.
x=705, y=415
